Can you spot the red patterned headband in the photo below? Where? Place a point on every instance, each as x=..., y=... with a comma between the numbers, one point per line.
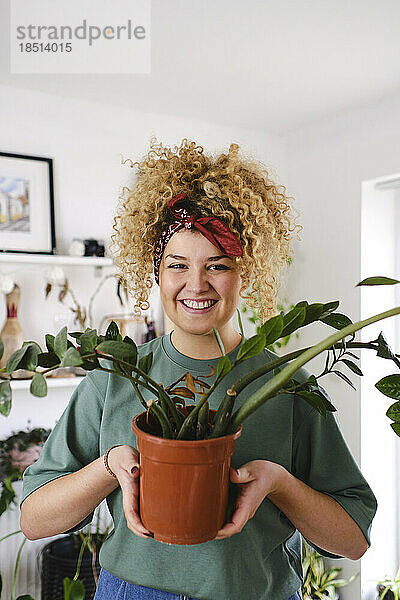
x=212, y=228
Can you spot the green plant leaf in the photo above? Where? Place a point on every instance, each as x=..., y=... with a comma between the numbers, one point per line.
x=50, y=342
x=25, y=357
x=60, y=343
x=5, y=398
x=71, y=358
x=384, y=350
x=396, y=428
x=76, y=334
x=7, y=495
x=329, y=307
x=272, y=329
x=317, y=400
x=336, y=320
x=223, y=367
x=15, y=359
x=30, y=359
x=378, y=280
x=345, y=378
x=352, y=366
x=88, y=342
x=353, y=355
x=293, y=320
x=129, y=340
x=38, y=385
x=313, y=312
x=48, y=359
x=312, y=385
x=252, y=347
x=145, y=362
x=90, y=364
x=389, y=386
x=120, y=350
x=77, y=590
x=393, y=412
x=73, y=589
x=112, y=332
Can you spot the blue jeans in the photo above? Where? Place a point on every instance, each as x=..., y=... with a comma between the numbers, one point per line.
x=110, y=587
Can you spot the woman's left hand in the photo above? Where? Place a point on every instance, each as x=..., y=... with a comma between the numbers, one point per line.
x=256, y=479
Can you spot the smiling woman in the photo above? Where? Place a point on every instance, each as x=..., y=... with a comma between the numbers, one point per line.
x=208, y=227
x=232, y=188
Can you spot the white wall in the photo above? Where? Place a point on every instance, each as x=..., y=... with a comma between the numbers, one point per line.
x=327, y=164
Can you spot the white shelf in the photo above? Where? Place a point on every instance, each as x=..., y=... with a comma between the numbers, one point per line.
x=93, y=261
x=52, y=382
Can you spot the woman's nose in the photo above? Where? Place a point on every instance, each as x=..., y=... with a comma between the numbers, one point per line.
x=197, y=280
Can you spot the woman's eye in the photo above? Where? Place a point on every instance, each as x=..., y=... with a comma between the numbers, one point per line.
x=224, y=267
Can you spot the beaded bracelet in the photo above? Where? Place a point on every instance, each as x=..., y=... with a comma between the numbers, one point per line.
x=105, y=460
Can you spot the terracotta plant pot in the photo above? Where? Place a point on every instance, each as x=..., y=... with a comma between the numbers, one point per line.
x=183, y=484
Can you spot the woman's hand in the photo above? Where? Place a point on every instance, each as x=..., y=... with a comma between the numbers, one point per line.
x=256, y=479
x=124, y=462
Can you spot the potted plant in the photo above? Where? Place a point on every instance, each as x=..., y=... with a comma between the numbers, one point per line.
x=17, y=452
x=182, y=430
x=389, y=588
x=70, y=564
x=319, y=582
x=76, y=553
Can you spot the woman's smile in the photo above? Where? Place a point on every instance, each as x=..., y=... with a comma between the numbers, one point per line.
x=185, y=304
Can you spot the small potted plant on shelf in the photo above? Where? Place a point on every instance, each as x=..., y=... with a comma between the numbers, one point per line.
x=182, y=433
x=319, y=582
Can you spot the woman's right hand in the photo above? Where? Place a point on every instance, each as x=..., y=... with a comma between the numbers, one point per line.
x=124, y=462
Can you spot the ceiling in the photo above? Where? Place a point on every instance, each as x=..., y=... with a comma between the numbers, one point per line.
x=272, y=65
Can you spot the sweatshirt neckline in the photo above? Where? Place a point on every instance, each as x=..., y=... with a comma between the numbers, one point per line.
x=188, y=362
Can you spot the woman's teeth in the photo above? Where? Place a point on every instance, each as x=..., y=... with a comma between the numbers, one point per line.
x=198, y=305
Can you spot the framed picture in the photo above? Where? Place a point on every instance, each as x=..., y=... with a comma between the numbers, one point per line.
x=26, y=204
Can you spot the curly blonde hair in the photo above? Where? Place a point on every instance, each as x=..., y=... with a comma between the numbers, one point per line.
x=236, y=189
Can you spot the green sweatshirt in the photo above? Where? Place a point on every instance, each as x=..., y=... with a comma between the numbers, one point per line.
x=265, y=557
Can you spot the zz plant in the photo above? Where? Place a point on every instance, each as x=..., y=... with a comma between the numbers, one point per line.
x=169, y=416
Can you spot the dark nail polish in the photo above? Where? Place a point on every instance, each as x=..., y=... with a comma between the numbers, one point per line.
x=133, y=470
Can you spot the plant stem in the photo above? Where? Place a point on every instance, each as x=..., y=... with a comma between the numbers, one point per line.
x=270, y=389
x=247, y=379
x=250, y=377
x=81, y=551
x=159, y=413
x=191, y=419
x=10, y=534
x=158, y=388
x=92, y=297
x=79, y=317
x=16, y=569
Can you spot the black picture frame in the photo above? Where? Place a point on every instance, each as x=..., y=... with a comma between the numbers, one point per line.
x=26, y=185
